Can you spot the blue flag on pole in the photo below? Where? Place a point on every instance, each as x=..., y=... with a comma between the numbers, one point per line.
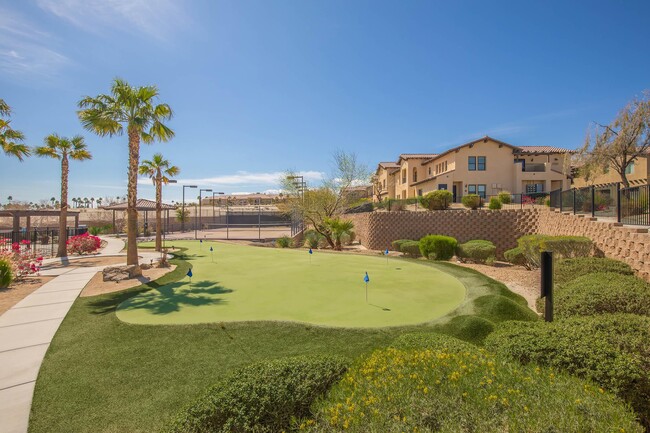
x=366, y=278
x=386, y=252
x=310, y=251
x=211, y=249
x=189, y=273
x=200, y=240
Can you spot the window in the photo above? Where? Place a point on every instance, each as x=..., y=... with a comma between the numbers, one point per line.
x=471, y=189
x=481, y=163
x=429, y=170
x=415, y=174
x=419, y=193
x=445, y=166
x=533, y=188
x=403, y=175
x=630, y=168
x=481, y=191
x=442, y=186
x=384, y=183
x=471, y=163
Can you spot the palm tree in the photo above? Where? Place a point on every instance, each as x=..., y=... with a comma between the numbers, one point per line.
x=159, y=170
x=11, y=140
x=339, y=228
x=64, y=148
x=99, y=201
x=53, y=200
x=132, y=110
x=92, y=202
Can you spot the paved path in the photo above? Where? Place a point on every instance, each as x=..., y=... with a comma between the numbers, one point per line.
x=27, y=329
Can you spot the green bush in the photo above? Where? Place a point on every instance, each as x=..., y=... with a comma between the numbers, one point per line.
x=562, y=247
x=396, y=245
x=471, y=201
x=612, y=349
x=6, y=272
x=263, y=397
x=411, y=249
x=430, y=340
x=478, y=251
x=599, y=293
x=438, y=247
x=497, y=308
x=516, y=257
x=93, y=230
x=283, y=242
x=495, y=204
x=468, y=390
x=312, y=238
x=505, y=197
x=467, y=328
x=437, y=200
x=566, y=270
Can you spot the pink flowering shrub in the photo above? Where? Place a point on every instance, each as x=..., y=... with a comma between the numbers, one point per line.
x=23, y=261
x=83, y=244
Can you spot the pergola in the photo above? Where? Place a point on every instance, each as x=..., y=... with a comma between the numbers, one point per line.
x=142, y=205
x=17, y=214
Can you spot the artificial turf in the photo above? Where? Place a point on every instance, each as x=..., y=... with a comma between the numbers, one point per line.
x=244, y=283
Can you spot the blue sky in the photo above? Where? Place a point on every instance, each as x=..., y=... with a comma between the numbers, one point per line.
x=259, y=87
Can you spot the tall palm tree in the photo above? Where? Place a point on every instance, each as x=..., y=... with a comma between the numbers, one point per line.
x=160, y=171
x=64, y=149
x=53, y=200
x=134, y=111
x=11, y=140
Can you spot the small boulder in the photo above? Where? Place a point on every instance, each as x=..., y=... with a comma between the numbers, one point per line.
x=121, y=273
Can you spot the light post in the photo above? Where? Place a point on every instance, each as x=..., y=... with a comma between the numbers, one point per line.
x=301, y=185
x=167, y=215
x=213, y=194
x=183, y=211
x=200, y=212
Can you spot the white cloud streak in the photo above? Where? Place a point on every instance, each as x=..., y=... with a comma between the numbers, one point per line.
x=151, y=17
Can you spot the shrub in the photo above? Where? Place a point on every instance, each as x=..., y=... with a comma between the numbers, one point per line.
x=505, y=197
x=562, y=247
x=430, y=340
x=516, y=257
x=411, y=248
x=612, y=349
x=284, y=242
x=262, y=397
x=23, y=261
x=312, y=238
x=478, y=251
x=471, y=201
x=599, y=293
x=438, y=247
x=6, y=271
x=437, y=200
x=396, y=245
x=83, y=244
x=495, y=204
x=566, y=270
x=437, y=390
x=497, y=308
x=93, y=230
x=467, y=328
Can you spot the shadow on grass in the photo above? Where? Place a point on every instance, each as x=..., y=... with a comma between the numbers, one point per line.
x=169, y=299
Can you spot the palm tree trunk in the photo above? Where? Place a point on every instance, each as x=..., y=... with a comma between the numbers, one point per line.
x=159, y=211
x=62, y=249
x=132, y=189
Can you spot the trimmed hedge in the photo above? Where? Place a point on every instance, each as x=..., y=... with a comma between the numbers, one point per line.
x=479, y=251
x=438, y=247
x=471, y=201
x=495, y=203
x=505, y=197
x=611, y=349
x=262, y=397
x=562, y=247
x=396, y=245
x=437, y=200
x=566, y=270
x=469, y=390
x=411, y=248
x=516, y=257
x=600, y=293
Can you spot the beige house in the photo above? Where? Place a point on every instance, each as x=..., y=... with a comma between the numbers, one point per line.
x=485, y=167
x=638, y=173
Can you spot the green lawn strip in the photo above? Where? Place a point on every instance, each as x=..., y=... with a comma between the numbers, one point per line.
x=103, y=375
x=245, y=283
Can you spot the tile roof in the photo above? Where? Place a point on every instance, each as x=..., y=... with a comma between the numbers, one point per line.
x=389, y=164
x=543, y=149
x=417, y=155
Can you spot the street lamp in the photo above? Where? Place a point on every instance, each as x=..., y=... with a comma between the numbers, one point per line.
x=167, y=214
x=200, y=199
x=213, y=194
x=183, y=219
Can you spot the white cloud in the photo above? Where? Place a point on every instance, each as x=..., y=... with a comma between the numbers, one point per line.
x=152, y=17
x=24, y=49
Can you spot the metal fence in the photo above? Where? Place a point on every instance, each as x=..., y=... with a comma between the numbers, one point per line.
x=42, y=241
x=625, y=205
x=513, y=201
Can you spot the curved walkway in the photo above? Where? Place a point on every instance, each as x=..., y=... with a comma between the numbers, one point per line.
x=27, y=329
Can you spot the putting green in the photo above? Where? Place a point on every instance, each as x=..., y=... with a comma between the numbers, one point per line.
x=252, y=283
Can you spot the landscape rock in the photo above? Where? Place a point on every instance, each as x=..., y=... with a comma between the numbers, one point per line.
x=121, y=273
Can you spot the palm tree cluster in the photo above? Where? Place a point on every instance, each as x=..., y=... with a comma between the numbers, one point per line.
x=126, y=110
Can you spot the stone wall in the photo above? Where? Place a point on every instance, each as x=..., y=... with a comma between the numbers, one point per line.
x=376, y=230
x=628, y=244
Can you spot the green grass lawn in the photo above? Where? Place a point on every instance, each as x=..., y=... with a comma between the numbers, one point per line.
x=246, y=283
x=101, y=374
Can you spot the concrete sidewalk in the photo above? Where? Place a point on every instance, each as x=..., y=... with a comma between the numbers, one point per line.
x=26, y=331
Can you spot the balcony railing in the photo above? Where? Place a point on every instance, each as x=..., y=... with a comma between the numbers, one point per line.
x=534, y=168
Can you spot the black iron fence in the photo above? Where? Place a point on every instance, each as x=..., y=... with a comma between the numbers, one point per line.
x=42, y=240
x=625, y=205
